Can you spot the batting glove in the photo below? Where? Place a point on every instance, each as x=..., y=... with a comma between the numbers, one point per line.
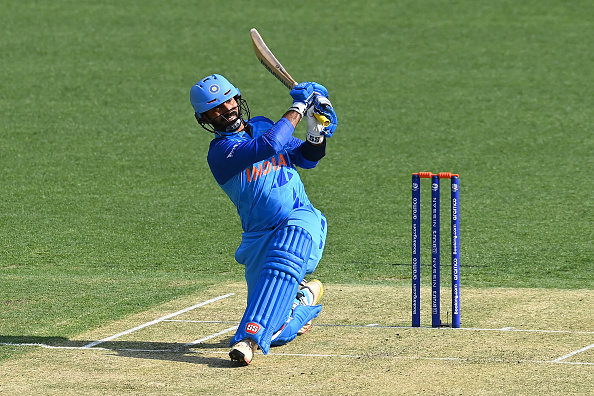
x=320, y=89
x=302, y=95
x=314, y=128
x=322, y=106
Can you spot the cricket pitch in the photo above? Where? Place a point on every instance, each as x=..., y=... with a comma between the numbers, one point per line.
x=512, y=341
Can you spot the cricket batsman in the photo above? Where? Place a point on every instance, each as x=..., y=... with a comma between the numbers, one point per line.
x=254, y=161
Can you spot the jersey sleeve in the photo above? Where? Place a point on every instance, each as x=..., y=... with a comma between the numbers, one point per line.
x=295, y=148
x=230, y=155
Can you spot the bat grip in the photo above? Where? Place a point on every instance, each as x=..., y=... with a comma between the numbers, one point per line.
x=322, y=119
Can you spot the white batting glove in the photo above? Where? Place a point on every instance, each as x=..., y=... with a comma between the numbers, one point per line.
x=314, y=128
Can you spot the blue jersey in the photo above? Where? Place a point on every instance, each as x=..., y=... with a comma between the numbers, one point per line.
x=258, y=172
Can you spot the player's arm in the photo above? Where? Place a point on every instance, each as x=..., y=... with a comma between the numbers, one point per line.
x=303, y=96
x=227, y=158
x=280, y=134
x=293, y=117
x=311, y=153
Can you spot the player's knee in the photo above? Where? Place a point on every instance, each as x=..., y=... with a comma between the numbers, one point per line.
x=289, y=251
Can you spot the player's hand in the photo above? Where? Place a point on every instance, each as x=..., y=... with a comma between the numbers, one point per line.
x=302, y=95
x=320, y=89
x=314, y=128
x=322, y=106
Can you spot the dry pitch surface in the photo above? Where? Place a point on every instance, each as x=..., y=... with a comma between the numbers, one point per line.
x=513, y=341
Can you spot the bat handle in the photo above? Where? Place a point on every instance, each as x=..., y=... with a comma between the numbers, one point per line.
x=322, y=119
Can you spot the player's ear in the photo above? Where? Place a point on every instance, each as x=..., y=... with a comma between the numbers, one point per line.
x=202, y=120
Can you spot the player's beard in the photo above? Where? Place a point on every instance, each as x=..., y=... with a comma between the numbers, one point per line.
x=228, y=122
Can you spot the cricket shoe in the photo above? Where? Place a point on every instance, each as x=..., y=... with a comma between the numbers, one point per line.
x=243, y=351
x=309, y=294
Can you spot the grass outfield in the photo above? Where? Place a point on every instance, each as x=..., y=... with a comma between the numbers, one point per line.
x=107, y=206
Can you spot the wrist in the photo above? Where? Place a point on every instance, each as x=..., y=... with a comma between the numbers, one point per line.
x=299, y=107
x=315, y=138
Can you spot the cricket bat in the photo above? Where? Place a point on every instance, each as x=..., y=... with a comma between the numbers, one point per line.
x=269, y=61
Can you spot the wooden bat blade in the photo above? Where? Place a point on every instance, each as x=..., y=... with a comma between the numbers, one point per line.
x=269, y=61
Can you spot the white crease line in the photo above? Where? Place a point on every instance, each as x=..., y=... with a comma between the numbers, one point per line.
x=211, y=336
x=322, y=355
x=206, y=351
x=378, y=326
x=202, y=321
x=576, y=363
x=94, y=343
x=513, y=329
x=25, y=344
x=584, y=349
x=513, y=361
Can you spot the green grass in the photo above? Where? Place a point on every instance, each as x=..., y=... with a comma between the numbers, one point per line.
x=107, y=205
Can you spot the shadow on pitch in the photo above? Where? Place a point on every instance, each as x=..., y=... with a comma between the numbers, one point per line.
x=168, y=351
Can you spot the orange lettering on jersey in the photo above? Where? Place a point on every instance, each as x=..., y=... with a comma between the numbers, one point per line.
x=267, y=167
x=257, y=171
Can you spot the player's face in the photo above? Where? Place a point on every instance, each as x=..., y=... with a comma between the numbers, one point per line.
x=225, y=117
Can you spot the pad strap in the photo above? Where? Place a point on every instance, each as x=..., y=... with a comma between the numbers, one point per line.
x=301, y=315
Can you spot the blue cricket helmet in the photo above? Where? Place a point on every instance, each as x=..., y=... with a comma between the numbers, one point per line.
x=210, y=92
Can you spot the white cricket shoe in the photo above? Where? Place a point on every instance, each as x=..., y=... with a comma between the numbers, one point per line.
x=243, y=351
x=311, y=293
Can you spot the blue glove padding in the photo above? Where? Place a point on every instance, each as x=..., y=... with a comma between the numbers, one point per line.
x=303, y=94
x=323, y=107
x=320, y=89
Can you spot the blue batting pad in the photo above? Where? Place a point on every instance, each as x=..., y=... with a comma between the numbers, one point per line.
x=272, y=299
x=301, y=315
x=253, y=251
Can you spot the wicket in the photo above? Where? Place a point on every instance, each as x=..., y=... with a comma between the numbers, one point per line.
x=435, y=248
